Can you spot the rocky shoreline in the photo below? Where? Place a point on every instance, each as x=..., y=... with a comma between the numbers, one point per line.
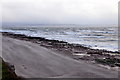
x=75, y=51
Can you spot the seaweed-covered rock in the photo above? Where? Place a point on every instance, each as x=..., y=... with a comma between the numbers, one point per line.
x=109, y=61
x=94, y=52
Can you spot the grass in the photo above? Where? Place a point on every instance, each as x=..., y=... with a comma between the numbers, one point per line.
x=6, y=73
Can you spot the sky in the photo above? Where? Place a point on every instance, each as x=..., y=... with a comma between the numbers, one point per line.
x=60, y=11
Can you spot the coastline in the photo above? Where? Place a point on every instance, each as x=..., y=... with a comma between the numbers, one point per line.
x=73, y=51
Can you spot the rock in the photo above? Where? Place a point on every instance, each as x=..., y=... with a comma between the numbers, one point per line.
x=117, y=64
x=11, y=67
x=94, y=52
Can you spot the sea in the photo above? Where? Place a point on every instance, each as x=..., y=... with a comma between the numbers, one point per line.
x=95, y=37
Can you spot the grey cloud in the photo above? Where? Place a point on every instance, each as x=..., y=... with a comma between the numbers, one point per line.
x=60, y=11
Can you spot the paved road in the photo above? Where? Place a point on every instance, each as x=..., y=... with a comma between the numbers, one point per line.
x=34, y=61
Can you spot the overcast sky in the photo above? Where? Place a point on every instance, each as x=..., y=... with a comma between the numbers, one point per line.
x=60, y=11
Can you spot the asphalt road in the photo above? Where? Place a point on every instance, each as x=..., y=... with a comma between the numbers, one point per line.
x=34, y=61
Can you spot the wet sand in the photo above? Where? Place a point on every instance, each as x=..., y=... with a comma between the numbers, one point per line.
x=41, y=60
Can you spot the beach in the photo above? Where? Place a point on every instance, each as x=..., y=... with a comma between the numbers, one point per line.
x=35, y=57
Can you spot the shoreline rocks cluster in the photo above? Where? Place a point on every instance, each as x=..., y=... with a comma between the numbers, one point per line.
x=75, y=51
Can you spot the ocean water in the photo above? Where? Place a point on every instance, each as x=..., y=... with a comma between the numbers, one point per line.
x=93, y=37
